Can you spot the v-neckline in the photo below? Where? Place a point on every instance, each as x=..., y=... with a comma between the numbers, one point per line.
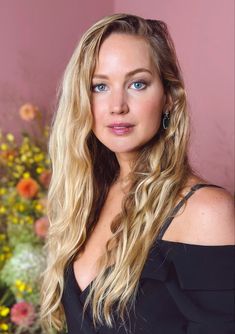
x=84, y=291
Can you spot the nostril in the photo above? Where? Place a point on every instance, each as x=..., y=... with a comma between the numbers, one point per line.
x=120, y=110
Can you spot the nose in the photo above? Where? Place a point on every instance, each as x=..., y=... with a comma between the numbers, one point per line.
x=118, y=103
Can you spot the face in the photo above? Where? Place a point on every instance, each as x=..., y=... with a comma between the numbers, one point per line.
x=127, y=94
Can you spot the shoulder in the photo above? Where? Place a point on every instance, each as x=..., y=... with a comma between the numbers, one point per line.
x=210, y=217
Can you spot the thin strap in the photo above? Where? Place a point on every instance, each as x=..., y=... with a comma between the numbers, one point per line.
x=179, y=205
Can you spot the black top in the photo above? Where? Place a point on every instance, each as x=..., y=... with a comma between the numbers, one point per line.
x=183, y=289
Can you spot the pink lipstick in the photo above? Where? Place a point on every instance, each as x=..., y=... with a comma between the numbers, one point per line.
x=121, y=128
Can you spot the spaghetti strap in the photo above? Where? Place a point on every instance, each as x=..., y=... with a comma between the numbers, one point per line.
x=180, y=204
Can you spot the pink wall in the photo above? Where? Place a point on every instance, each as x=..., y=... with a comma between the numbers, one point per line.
x=37, y=40
x=203, y=32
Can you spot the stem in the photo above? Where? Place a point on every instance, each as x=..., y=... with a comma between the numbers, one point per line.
x=5, y=296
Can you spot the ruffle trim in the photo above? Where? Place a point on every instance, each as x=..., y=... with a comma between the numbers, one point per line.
x=196, y=267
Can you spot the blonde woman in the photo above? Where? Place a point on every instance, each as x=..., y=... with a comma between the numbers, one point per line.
x=137, y=242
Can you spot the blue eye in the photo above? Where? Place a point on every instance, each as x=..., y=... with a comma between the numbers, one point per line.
x=139, y=85
x=99, y=88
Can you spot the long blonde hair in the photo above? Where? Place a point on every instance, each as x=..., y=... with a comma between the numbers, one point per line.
x=83, y=170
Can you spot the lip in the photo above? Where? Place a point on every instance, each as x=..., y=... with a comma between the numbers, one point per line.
x=121, y=128
x=120, y=125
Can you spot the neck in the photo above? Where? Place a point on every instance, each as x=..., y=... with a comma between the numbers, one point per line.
x=124, y=161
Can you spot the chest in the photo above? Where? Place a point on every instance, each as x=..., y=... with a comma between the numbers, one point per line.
x=86, y=263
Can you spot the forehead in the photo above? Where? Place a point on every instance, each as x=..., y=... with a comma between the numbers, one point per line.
x=125, y=51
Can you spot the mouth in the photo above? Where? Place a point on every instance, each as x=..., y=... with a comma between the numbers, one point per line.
x=121, y=128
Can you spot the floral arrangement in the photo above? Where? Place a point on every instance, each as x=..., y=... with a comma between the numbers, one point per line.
x=24, y=179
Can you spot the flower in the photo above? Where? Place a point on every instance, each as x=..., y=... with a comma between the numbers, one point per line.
x=4, y=326
x=24, y=179
x=41, y=226
x=45, y=178
x=4, y=311
x=23, y=314
x=27, y=188
x=25, y=266
x=28, y=112
x=10, y=137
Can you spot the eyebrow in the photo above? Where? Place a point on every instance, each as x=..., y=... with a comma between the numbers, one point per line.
x=129, y=74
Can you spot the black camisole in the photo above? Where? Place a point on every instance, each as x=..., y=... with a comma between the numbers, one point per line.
x=183, y=289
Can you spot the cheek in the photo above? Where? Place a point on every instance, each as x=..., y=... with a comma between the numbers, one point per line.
x=98, y=112
x=152, y=114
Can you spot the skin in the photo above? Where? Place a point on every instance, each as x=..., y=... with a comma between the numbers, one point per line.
x=126, y=88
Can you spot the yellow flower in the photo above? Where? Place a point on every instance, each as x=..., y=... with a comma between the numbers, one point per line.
x=21, y=286
x=24, y=148
x=39, y=170
x=15, y=220
x=26, y=175
x=23, y=158
x=2, y=210
x=29, y=220
x=39, y=207
x=4, y=311
x=19, y=168
x=21, y=207
x=10, y=137
x=3, y=191
x=39, y=157
x=26, y=140
x=4, y=147
x=4, y=326
x=2, y=257
x=36, y=149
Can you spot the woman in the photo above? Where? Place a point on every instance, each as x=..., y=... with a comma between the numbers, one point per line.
x=130, y=249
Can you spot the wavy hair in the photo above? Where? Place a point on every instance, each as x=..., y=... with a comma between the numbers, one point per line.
x=83, y=170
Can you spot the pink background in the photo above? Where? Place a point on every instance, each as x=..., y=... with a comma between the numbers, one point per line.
x=38, y=38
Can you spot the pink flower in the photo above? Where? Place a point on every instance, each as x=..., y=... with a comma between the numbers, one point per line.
x=45, y=178
x=23, y=314
x=41, y=226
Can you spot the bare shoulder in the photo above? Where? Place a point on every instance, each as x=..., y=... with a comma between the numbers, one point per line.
x=210, y=217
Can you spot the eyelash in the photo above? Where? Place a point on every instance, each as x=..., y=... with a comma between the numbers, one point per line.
x=143, y=82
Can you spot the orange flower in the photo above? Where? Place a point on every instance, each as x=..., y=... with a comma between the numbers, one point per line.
x=28, y=112
x=27, y=188
x=41, y=226
x=45, y=178
x=8, y=154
